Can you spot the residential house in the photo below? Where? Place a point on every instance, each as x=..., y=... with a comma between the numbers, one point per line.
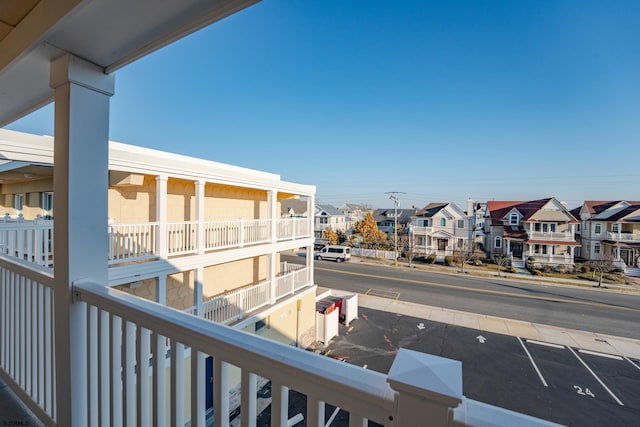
x=543, y=230
x=76, y=349
x=610, y=230
x=294, y=208
x=352, y=214
x=386, y=219
x=439, y=229
x=328, y=216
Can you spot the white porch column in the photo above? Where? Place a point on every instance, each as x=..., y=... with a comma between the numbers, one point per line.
x=272, y=203
x=508, y=246
x=311, y=210
x=161, y=214
x=200, y=216
x=81, y=159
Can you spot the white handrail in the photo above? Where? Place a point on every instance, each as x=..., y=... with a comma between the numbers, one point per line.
x=363, y=393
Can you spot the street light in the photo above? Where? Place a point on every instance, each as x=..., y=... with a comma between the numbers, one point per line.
x=394, y=196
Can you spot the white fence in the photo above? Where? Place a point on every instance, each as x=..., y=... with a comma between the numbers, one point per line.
x=293, y=228
x=373, y=253
x=548, y=235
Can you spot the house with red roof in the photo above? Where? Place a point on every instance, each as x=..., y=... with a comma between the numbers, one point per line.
x=610, y=230
x=540, y=229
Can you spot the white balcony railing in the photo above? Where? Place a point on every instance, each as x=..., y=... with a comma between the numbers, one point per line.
x=421, y=230
x=137, y=353
x=548, y=235
x=234, y=305
x=623, y=237
x=32, y=241
x=291, y=282
x=132, y=242
x=293, y=228
x=548, y=259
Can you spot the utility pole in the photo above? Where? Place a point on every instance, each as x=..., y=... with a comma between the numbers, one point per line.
x=394, y=196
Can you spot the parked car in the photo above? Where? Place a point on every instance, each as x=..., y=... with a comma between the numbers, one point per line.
x=333, y=252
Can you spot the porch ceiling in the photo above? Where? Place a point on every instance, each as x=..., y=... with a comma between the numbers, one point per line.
x=109, y=33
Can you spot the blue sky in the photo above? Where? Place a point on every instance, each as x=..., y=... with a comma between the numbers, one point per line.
x=440, y=100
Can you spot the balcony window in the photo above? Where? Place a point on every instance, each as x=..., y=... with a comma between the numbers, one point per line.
x=324, y=220
x=537, y=226
x=615, y=228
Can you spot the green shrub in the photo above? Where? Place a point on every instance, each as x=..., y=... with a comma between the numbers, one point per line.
x=448, y=260
x=431, y=259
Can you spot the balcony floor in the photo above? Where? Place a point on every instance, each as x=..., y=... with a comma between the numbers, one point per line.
x=13, y=411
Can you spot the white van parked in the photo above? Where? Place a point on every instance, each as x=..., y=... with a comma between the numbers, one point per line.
x=336, y=253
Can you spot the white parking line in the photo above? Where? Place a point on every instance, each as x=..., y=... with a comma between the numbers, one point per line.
x=546, y=344
x=596, y=377
x=632, y=362
x=595, y=353
x=544, y=383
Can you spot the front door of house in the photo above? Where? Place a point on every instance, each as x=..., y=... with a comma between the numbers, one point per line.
x=516, y=249
x=442, y=244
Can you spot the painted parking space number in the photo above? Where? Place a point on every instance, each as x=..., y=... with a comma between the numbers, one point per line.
x=585, y=392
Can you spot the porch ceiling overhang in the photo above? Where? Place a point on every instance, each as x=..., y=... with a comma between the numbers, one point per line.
x=108, y=33
x=14, y=172
x=622, y=244
x=553, y=242
x=442, y=234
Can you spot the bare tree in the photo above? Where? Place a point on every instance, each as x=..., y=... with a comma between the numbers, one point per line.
x=406, y=245
x=501, y=260
x=600, y=267
x=466, y=254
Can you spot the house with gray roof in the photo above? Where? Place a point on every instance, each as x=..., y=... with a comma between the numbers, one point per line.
x=328, y=216
x=439, y=229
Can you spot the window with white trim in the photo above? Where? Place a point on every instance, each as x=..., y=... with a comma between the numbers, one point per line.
x=443, y=222
x=513, y=219
x=47, y=204
x=461, y=223
x=597, y=228
x=18, y=203
x=615, y=227
x=596, y=248
x=497, y=242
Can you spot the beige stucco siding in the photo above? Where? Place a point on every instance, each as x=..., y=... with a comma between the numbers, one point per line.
x=222, y=278
x=133, y=203
x=283, y=323
x=223, y=202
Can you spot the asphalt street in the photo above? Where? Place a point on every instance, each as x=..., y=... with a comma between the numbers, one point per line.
x=587, y=309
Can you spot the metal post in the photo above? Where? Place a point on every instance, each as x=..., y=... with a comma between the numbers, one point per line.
x=396, y=203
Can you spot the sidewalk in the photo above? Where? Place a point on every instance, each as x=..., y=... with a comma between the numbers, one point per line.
x=602, y=343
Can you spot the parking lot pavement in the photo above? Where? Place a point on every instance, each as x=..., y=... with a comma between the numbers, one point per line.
x=561, y=383
x=586, y=340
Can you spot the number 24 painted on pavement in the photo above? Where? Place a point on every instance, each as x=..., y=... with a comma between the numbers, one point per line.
x=586, y=391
